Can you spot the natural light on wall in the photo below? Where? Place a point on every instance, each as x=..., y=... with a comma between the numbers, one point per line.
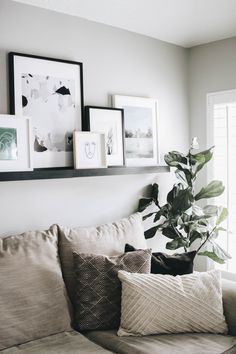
x=222, y=134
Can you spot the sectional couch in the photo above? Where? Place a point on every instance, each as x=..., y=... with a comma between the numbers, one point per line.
x=36, y=296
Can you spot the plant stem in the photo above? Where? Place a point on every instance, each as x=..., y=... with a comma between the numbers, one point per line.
x=207, y=239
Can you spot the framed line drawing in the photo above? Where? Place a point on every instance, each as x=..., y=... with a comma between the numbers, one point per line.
x=89, y=150
x=141, y=134
x=16, y=148
x=50, y=92
x=109, y=121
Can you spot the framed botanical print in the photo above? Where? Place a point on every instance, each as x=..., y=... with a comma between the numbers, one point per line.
x=89, y=150
x=110, y=122
x=50, y=92
x=140, y=125
x=15, y=144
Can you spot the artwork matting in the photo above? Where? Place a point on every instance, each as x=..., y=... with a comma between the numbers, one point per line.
x=50, y=92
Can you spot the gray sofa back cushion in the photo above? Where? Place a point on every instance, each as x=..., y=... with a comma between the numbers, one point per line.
x=108, y=239
x=32, y=293
x=229, y=302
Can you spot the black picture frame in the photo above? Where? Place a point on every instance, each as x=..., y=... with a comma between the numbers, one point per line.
x=16, y=107
x=87, y=125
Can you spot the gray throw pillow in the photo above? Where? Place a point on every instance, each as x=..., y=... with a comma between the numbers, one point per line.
x=98, y=289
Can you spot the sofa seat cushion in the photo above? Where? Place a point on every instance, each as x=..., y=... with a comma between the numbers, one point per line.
x=194, y=343
x=61, y=343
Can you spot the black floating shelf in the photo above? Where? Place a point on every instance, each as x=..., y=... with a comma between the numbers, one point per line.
x=52, y=173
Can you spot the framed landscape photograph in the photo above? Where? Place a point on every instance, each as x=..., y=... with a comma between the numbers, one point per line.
x=110, y=122
x=15, y=144
x=89, y=150
x=140, y=124
x=50, y=92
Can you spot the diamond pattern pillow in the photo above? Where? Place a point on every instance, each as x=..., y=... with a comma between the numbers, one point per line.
x=98, y=289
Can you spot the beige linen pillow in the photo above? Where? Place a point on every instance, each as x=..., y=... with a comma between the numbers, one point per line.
x=153, y=304
x=108, y=239
x=32, y=292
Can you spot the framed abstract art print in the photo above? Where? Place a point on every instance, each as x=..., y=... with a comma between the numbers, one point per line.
x=50, y=92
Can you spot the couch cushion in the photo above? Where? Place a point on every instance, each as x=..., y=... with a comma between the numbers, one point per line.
x=156, y=303
x=109, y=239
x=229, y=301
x=98, y=289
x=194, y=343
x=61, y=343
x=32, y=292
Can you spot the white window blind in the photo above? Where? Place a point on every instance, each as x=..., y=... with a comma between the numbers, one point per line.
x=222, y=134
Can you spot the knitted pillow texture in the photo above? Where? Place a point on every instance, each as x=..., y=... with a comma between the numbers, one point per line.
x=98, y=289
x=154, y=304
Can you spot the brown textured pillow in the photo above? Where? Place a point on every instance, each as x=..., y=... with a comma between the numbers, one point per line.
x=32, y=292
x=98, y=289
x=108, y=239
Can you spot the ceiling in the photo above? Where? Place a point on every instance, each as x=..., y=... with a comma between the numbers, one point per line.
x=183, y=22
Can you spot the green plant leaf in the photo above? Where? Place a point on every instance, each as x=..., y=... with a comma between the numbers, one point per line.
x=210, y=210
x=170, y=232
x=222, y=216
x=144, y=203
x=160, y=213
x=173, y=193
x=148, y=216
x=185, y=176
x=212, y=256
x=213, y=189
x=151, y=232
x=155, y=193
x=194, y=235
x=174, y=244
x=216, y=253
x=173, y=158
x=201, y=158
x=182, y=201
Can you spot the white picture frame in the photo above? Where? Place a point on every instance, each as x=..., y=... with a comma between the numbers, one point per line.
x=89, y=150
x=141, y=129
x=16, y=145
x=50, y=92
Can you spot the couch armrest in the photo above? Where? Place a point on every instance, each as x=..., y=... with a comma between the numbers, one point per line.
x=229, y=301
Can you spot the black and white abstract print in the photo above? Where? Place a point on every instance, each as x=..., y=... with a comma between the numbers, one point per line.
x=50, y=102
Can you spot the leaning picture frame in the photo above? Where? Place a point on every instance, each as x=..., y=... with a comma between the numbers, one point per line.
x=109, y=121
x=50, y=92
x=141, y=129
x=16, y=148
x=89, y=150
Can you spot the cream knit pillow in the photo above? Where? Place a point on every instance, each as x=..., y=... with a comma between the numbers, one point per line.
x=155, y=303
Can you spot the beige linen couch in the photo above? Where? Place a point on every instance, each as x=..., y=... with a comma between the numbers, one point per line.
x=35, y=311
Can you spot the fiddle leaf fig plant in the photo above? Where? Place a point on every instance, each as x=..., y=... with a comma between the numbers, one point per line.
x=181, y=219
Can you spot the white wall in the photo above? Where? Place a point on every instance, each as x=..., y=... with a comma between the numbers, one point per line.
x=115, y=61
x=212, y=67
